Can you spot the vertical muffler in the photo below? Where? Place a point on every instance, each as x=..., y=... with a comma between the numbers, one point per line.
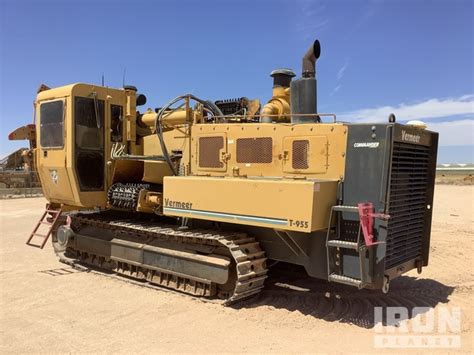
x=303, y=90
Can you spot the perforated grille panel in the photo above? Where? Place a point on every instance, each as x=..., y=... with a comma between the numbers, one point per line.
x=349, y=229
x=300, y=154
x=209, y=150
x=408, y=191
x=254, y=150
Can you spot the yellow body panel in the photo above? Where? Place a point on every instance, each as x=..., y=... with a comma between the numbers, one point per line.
x=317, y=153
x=281, y=204
x=325, y=156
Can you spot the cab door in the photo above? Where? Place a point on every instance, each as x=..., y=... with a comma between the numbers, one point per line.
x=89, y=143
x=52, y=150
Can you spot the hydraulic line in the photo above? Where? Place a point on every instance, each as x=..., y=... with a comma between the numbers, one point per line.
x=159, y=127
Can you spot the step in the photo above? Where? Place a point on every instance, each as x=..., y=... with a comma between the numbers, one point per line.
x=345, y=208
x=342, y=244
x=34, y=245
x=345, y=280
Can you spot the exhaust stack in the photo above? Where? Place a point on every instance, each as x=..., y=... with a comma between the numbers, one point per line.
x=303, y=90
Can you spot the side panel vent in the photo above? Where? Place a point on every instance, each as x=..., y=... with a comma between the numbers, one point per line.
x=255, y=150
x=408, y=193
x=209, y=152
x=300, y=154
x=305, y=155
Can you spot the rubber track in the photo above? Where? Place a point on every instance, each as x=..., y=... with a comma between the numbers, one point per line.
x=250, y=261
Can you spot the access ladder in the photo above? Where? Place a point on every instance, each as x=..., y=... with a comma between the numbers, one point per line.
x=49, y=218
x=334, y=243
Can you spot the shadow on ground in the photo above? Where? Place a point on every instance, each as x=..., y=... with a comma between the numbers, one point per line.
x=63, y=271
x=290, y=288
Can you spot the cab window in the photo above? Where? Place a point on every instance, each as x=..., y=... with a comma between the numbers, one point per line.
x=89, y=145
x=89, y=115
x=51, y=128
x=116, y=119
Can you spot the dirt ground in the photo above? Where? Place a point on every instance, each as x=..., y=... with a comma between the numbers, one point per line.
x=46, y=306
x=454, y=179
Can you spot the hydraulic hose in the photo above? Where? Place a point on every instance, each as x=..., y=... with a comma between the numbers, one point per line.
x=159, y=127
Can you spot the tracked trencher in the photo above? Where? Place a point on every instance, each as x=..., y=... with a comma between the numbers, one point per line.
x=197, y=195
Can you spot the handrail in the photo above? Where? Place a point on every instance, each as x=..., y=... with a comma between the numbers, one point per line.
x=333, y=115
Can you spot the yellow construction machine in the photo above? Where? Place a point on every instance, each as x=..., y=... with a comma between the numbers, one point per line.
x=198, y=195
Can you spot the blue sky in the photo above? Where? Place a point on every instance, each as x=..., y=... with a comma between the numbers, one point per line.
x=413, y=58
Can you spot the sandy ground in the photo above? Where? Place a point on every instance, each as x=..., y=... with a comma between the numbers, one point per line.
x=46, y=306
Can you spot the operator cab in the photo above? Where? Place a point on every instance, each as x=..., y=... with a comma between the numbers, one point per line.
x=73, y=171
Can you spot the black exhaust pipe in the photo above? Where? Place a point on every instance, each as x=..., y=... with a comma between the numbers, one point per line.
x=309, y=60
x=303, y=90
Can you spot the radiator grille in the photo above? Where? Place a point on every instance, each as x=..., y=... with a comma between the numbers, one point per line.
x=300, y=154
x=254, y=150
x=407, y=208
x=209, y=151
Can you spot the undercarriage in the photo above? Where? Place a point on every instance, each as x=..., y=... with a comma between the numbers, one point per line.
x=214, y=265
